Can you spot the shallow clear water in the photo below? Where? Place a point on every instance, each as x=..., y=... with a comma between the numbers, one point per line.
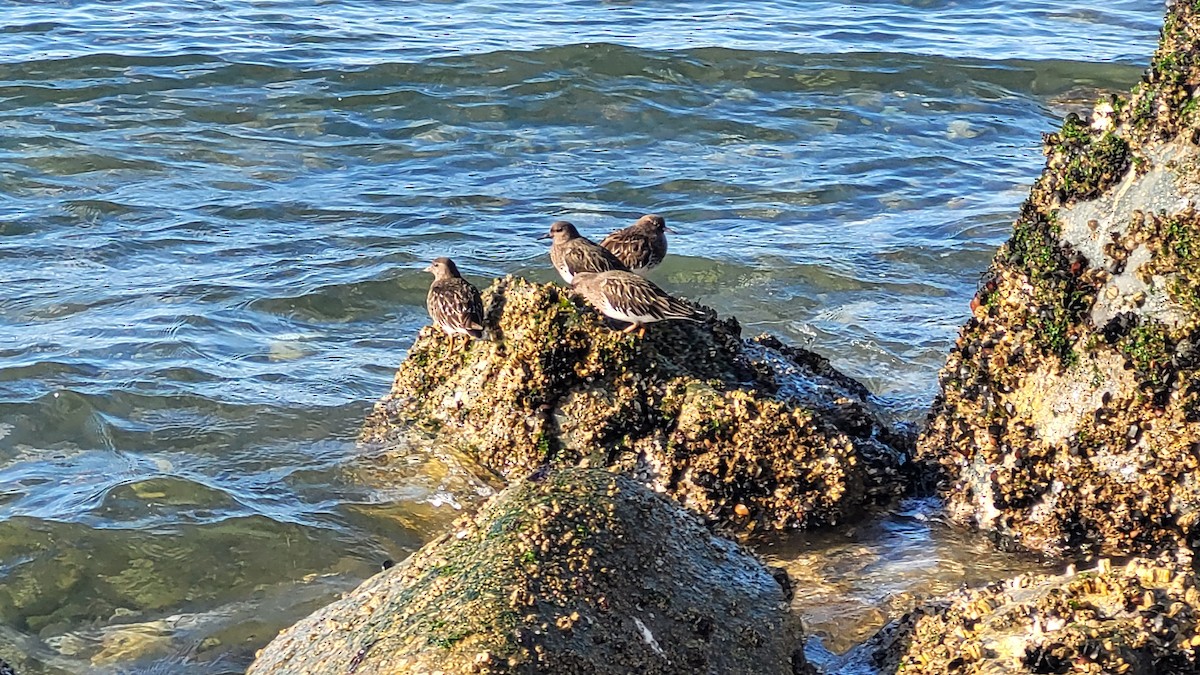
x=851, y=581
x=213, y=216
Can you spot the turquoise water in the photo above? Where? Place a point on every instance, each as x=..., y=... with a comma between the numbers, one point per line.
x=213, y=217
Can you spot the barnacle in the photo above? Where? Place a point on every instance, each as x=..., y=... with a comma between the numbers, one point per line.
x=1071, y=402
x=1083, y=619
x=729, y=427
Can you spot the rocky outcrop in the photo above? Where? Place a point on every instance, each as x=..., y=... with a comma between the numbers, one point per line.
x=1140, y=619
x=749, y=433
x=571, y=571
x=1069, y=412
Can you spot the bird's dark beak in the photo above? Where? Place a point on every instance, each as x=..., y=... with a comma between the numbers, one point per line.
x=667, y=229
x=546, y=236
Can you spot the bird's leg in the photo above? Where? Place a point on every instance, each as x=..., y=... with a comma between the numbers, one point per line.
x=640, y=328
x=453, y=342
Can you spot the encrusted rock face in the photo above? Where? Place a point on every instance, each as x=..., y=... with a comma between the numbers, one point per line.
x=1137, y=620
x=570, y=572
x=750, y=433
x=1069, y=415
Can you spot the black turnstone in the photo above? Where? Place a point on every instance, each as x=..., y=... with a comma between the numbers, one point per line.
x=453, y=303
x=627, y=297
x=572, y=253
x=642, y=245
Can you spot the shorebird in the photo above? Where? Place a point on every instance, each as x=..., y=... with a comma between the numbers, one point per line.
x=572, y=253
x=453, y=303
x=627, y=297
x=642, y=245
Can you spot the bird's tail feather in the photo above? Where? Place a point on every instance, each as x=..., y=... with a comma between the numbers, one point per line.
x=682, y=310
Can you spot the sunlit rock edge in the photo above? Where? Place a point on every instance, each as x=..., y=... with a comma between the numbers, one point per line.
x=1068, y=420
x=1069, y=414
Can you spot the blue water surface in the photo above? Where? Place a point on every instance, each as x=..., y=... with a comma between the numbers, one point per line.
x=213, y=217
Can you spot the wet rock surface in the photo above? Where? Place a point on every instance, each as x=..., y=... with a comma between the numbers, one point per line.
x=749, y=433
x=1069, y=412
x=569, y=571
x=1140, y=619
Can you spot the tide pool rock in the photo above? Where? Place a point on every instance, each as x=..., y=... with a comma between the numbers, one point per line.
x=1139, y=619
x=568, y=572
x=749, y=433
x=1069, y=412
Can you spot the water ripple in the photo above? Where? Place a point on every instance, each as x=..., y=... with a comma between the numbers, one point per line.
x=214, y=217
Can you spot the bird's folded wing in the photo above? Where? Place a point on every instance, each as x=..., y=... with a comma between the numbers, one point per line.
x=458, y=305
x=636, y=297
x=588, y=259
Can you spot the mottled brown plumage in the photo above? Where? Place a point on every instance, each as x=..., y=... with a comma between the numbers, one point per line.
x=627, y=297
x=572, y=253
x=641, y=245
x=453, y=303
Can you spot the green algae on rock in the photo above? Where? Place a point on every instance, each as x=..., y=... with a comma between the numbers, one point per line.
x=746, y=432
x=569, y=571
x=1140, y=619
x=1069, y=413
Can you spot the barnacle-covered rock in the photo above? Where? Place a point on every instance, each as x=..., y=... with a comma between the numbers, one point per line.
x=1069, y=412
x=1139, y=619
x=571, y=571
x=751, y=433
